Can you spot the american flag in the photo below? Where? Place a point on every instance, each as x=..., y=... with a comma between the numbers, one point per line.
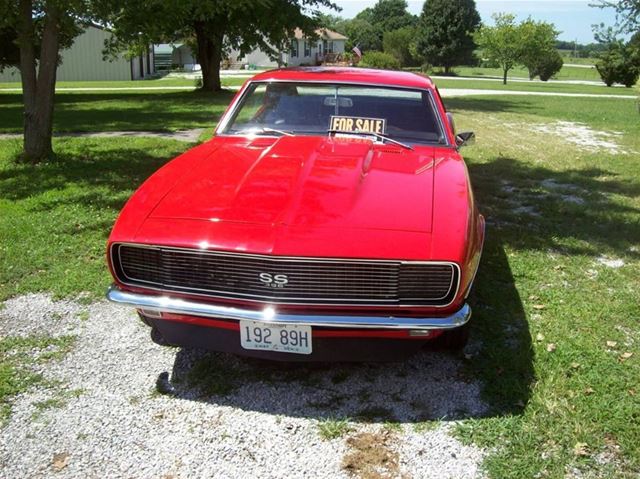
x=357, y=51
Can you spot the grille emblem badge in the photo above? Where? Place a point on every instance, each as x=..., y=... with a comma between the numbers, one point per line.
x=274, y=280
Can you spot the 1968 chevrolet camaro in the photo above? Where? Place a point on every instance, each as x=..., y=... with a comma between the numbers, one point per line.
x=329, y=218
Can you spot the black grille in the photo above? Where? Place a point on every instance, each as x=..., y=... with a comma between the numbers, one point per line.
x=286, y=280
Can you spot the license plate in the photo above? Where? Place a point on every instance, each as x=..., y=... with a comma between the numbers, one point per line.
x=284, y=338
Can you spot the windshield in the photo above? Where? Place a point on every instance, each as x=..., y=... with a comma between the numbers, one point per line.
x=311, y=109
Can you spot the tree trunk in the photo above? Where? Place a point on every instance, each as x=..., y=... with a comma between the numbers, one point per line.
x=447, y=69
x=209, y=55
x=504, y=76
x=38, y=89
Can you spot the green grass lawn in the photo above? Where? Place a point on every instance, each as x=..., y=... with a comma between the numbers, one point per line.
x=112, y=111
x=533, y=86
x=559, y=334
x=556, y=328
x=156, y=83
x=577, y=61
x=55, y=218
x=171, y=110
x=566, y=73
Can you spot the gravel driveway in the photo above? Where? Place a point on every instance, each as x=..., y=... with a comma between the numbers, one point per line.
x=134, y=409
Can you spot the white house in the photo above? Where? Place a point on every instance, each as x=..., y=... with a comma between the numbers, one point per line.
x=302, y=51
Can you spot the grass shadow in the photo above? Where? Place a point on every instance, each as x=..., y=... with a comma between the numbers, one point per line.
x=126, y=111
x=488, y=105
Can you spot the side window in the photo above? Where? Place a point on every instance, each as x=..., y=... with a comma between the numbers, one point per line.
x=307, y=49
x=294, y=48
x=254, y=105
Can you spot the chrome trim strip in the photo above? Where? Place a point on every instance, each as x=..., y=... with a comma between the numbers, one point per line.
x=283, y=301
x=168, y=304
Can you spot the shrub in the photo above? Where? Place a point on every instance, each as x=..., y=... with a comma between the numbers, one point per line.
x=628, y=74
x=608, y=69
x=379, y=60
x=549, y=65
x=618, y=65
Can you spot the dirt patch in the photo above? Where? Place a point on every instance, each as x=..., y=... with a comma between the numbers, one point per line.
x=610, y=262
x=371, y=456
x=583, y=136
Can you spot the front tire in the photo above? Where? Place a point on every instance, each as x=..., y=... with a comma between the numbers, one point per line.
x=454, y=339
x=158, y=338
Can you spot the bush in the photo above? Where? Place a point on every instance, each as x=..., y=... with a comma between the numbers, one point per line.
x=549, y=65
x=628, y=75
x=379, y=60
x=618, y=65
x=608, y=70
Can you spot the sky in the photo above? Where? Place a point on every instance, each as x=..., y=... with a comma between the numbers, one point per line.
x=572, y=17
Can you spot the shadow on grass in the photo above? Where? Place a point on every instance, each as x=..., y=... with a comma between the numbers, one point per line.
x=127, y=111
x=493, y=104
x=100, y=171
x=570, y=211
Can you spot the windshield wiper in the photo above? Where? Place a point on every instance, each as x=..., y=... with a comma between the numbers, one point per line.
x=371, y=133
x=260, y=130
x=264, y=129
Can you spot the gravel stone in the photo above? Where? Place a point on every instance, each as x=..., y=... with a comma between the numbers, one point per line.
x=119, y=425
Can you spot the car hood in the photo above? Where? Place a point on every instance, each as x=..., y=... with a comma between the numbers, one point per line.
x=307, y=181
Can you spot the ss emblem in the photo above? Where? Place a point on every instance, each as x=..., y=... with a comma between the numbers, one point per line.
x=274, y=280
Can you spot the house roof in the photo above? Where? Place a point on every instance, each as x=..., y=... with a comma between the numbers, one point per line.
x=323, y=33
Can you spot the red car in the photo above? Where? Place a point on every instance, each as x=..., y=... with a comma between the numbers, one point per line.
x=330, y=218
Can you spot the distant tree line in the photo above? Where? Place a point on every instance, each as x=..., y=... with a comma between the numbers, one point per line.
x=446, y=34
x=449, y=33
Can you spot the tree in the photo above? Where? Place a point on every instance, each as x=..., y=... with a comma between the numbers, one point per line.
x=33, y=33
x=363, y=34
x=501, y=43
x=332, y=22
x=627, y=14
x=619, y=64
x=369, y=26
x=379, y=60
x=398, y=43
x=445, y=32
x=538, y=40
x=548, y=65
x=217, y=26
x=390, y=15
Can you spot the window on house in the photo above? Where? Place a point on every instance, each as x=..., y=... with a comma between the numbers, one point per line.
x=294, y=48
x=330, y=50
x=324, y=46
x=307, y=49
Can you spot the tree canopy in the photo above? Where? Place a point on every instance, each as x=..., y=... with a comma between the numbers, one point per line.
x=445, y=32
x=538, y=42
x=217, y=26
x=501, y=43
x=627, y=14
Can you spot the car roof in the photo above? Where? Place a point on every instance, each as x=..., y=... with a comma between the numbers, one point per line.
x=367, y=76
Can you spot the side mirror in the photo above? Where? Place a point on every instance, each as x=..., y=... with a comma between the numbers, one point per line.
x=452, y=123
x=465, y=138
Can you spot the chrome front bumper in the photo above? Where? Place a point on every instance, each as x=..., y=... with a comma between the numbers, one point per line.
x=168, y=304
